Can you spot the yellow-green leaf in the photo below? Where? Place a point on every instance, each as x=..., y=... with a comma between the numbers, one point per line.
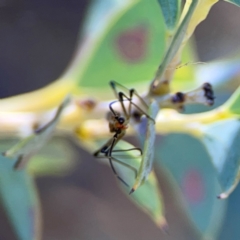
x=57, y=158
x=235, y=2
x=19, y=197
x=27, y=147
x=233, y=103
x=222, y=140
x=148, y=196
x=148, y=148
x=188, y=162
x=124, y=42
x=171, y=12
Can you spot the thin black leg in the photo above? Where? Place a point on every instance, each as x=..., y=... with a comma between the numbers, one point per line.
x=122, y=95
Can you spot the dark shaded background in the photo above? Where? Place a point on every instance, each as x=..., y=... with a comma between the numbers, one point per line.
x=37, y=40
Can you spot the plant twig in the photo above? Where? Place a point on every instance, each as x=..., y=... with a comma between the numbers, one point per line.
x=172, y=50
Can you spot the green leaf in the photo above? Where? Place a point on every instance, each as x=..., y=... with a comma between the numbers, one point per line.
x=148, y=197
x=235, y=2
x=19, y=198
x=222, y=140
x=124, y=41
x=230, y=227
x=177, y=40
x=148, y=153
x=233, y=103
x=171, y=12
x=27, y=147
x=57, y=158
x=185, y=74
x=190, y=166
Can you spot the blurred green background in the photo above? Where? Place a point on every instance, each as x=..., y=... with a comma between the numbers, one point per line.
x=38, y=39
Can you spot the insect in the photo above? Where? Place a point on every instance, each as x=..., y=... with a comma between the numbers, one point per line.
x=118, y=124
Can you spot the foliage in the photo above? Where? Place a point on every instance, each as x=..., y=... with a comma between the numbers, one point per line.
x=131, y=42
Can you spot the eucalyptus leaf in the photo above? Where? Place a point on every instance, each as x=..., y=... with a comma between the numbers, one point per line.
x=19, y=198
x=185, y=74
x=233, y=103
x=56, y=158
x=222, y=140
x=148, y=197
x=148, y=148
x=171, y=12
x=235, y=2
x=122, y=40
x=190, y=166
x=27, y=147
x=177, y=40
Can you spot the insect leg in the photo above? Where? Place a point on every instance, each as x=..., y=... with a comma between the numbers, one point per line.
x=130, y=149
x=132, y=92
x=126, y=165
x=122, y=163
x=111, y=108
x=122, y=95
x=104, y=148
x=108, y=154
x=113, y=86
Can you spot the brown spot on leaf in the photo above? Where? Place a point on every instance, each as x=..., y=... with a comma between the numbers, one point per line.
x=131, y=44
x=193, y=186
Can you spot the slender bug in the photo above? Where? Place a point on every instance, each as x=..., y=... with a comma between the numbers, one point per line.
x=118, y=123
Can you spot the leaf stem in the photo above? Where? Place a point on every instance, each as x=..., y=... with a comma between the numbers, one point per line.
x=174, y=47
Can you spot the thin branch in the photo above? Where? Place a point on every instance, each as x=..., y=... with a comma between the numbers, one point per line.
x=173, y=48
